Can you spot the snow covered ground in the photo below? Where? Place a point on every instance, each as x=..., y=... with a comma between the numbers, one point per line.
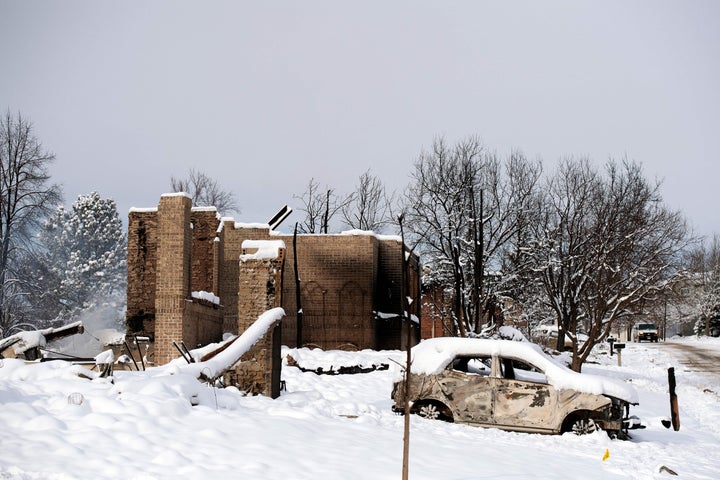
x=55, y=425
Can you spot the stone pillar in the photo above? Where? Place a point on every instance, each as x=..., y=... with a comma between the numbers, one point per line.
x=173, y=273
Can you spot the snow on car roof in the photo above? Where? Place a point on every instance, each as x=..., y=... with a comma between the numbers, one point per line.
x=431, y=356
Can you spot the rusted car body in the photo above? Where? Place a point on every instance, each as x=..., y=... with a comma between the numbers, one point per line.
x=512, y=386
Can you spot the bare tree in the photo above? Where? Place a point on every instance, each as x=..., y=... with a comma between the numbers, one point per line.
x=205, y=192
x=320, y=206
x=437, y=206
x=604, y=246
x=508, y=205
x=465, y=208
x=368, y=207
x=26, y=198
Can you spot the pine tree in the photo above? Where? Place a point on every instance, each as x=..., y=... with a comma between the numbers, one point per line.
x=82, y=264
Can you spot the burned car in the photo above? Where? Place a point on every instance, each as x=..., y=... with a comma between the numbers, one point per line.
x=513, y=386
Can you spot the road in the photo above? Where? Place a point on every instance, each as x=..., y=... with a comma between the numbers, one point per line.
x=695, y=358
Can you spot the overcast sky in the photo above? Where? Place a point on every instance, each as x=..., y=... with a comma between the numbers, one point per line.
x=265, y=95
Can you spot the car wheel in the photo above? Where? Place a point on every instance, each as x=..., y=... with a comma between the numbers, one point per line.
x=429, y=411
x=433, y=410
x=584, y=426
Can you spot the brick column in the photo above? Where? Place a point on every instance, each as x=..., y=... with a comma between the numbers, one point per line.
x=259, y=290
x=173, y=273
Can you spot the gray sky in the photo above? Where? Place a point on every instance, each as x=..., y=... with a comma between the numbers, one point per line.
x=265, y=95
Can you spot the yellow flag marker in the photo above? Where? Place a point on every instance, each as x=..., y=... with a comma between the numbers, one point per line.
x=607, y=455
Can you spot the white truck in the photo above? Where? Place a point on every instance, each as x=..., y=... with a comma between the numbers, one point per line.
x=645, y=331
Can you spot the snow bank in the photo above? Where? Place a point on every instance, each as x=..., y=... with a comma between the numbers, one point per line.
x=325, y=427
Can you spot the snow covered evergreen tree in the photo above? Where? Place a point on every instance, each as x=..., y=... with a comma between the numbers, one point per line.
x=82, y=264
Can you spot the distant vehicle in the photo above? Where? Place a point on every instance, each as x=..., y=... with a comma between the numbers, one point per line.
x=645, y=331
x=512, y=386
x=546, y=335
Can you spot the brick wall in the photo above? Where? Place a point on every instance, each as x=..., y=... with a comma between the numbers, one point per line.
x=231, y=249
x=350, y=283
x=337, y=275
x=436, y=311
x=205, y=223
x=391, y=333
x=202, y=323
x=141, y=272
x=344, y=280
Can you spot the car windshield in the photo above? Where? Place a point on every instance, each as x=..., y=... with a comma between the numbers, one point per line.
x=647, y=326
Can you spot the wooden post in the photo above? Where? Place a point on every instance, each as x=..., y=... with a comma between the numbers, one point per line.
x=404, y=319
x=674, y=413
x=619, y=347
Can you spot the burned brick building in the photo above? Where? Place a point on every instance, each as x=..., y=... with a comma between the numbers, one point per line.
x=191, y=277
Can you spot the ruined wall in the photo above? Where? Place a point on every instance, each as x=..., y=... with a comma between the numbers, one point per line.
x=345, y=279
x=205, y=224
x=141, y=272
x=390, y=332
x=338, y=274
x=202, y=323
x=231, y=249
x=350, y=283
x=172, y=287
x=171, y=252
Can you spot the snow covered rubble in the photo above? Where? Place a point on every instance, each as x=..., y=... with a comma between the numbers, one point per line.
x=58, y=426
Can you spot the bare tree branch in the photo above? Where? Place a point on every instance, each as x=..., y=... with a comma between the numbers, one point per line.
x=205, y=192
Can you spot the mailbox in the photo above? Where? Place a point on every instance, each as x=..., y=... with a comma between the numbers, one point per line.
x=619, y=346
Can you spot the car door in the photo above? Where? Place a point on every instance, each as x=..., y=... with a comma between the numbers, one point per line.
x=467, y=386
x=523, y=399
